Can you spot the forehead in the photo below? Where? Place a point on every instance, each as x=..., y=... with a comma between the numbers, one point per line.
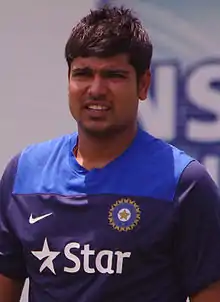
x=118, y=61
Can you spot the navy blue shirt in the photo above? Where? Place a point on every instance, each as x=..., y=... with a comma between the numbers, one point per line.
x=146, y=227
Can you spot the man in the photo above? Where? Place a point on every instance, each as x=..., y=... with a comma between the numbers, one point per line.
x=109, y=213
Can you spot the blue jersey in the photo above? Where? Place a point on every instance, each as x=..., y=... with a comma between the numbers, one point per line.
x=146, y=227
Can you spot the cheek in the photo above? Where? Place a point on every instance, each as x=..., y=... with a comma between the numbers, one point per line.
x=74, y=93
x=74, y=102
x=77, y=87
x=126, y=96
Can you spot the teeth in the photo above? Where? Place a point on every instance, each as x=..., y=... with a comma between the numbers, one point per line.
x=97, y=107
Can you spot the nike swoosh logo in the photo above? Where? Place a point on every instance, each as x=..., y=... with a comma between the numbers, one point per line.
x=33, y=220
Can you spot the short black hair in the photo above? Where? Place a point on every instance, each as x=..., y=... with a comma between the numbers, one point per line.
x=109, y=31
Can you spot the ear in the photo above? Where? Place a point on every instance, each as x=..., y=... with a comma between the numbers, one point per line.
x=144, y=84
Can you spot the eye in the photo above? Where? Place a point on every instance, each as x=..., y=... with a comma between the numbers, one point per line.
x=81, y=73
x=115, y=75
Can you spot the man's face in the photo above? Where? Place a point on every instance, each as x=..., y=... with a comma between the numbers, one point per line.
x=104, y=93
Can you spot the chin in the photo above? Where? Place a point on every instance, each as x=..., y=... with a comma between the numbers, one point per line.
x=101, y=132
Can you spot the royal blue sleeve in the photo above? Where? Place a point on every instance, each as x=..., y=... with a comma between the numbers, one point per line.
x=11, y=260
x=197, y=230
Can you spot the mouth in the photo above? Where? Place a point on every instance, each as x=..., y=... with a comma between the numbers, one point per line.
x=98, y=108
x=97, y=111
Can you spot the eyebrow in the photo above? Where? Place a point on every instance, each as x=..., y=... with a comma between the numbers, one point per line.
x=77, y=69
x=122, y=71
x=105, y=70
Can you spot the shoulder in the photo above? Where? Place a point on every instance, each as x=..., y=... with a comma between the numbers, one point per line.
x=163, y=156
x=30, y=164
x=158, y=147
x=40, y=151
x=196, y=187
x=159, y=164
x=39, y=154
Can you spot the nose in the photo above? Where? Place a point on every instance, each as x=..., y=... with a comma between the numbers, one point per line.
x=97, y=86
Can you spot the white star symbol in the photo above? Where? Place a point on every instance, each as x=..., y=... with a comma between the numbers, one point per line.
x=48, y=263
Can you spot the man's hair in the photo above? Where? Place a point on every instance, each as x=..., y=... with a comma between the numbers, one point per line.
x=110, y=31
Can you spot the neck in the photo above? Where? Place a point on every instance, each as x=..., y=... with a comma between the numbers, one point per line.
x=97, y=152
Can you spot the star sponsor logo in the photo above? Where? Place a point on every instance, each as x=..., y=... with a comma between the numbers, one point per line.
x=48, y=255
x=82, y=258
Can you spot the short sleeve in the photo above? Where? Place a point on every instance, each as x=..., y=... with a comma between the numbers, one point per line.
x=11, y=258
x=197, y=230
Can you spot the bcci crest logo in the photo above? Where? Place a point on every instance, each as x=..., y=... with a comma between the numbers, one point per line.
x=124, y=215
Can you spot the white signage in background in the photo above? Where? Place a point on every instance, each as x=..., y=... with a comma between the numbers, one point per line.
x=183, y=106
x=184, y=115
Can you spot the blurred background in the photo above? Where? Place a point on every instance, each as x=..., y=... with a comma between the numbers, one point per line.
x=184, y=102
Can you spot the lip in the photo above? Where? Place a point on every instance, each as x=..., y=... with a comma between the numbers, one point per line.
x=97, y=110
x=96, y=113
x=97, y=103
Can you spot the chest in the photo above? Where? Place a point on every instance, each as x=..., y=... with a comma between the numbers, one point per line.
x=103, y=222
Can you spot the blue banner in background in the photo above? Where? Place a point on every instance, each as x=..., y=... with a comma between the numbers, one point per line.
x=183, y=107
